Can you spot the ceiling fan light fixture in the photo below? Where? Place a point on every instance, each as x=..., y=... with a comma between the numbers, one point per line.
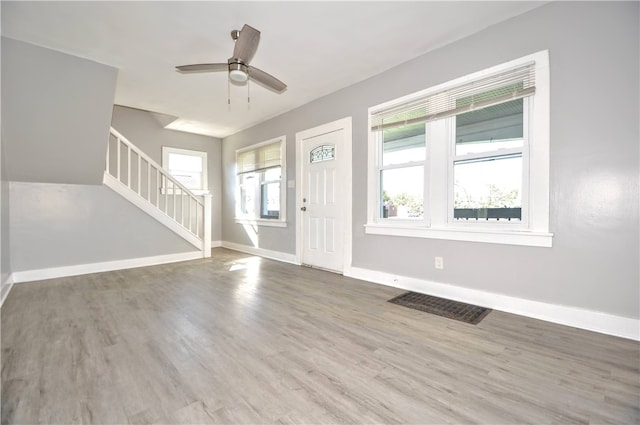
x=238, y=75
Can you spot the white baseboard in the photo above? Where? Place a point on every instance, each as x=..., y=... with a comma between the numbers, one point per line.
x=571, y=316
x=216, y=244
x=6, y=288
x=66, y=271
x=274, y=255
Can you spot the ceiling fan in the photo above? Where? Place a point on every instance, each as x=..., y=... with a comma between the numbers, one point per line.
x=246, y=44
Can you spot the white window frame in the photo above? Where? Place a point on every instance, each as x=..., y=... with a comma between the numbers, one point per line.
x=241, y=218
x=438, y=222
x=167, y=150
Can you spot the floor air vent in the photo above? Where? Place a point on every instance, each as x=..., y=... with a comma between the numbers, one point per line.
x=442, y=307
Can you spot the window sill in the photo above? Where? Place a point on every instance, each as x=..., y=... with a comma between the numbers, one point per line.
x=499, y=236
x=261, y=222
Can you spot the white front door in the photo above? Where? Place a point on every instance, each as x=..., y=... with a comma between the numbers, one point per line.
x=322, y=199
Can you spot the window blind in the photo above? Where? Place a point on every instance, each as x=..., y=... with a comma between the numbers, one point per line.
x=259, y=158
x=486, y=91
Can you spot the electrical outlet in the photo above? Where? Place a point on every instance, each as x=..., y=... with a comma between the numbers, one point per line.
x=439, y=263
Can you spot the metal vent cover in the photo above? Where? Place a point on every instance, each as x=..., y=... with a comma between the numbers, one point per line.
x=467, y=313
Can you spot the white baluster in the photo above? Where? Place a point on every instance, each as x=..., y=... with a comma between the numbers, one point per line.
x=189, y=213
x=206, y=234
x=157, y=188
x=139, y=170
x=165, y=186
x=197, y=222
x=129, y=166
x=118, y=161
x=175, y=189
x=107, y=163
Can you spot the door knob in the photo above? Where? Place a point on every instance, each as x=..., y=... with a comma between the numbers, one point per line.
x=303, y=208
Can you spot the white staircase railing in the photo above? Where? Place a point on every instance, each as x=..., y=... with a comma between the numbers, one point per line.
x=136, y=176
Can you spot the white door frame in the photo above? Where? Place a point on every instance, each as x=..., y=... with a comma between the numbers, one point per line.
x=347, y=216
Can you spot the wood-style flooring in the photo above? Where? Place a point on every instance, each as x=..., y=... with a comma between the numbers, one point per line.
x=241, y=339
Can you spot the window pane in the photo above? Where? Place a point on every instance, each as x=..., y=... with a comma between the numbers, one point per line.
x=270, y=200
x=402, y=192
x=191, y=180
x=247, y=194
x=403, y=144
x=273, y=174
x=187, y=169
x=488, y=129
x=185, y=162
x=488, y=189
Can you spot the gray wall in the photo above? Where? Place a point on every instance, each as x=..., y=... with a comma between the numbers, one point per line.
x=56, y=225
x=145, y=131
x=56, y=114
x=594, y=57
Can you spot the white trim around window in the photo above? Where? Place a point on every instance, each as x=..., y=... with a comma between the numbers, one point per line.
x=431, y=208
x=259, y=169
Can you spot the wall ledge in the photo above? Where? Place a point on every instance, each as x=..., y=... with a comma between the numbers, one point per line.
x=564, y=315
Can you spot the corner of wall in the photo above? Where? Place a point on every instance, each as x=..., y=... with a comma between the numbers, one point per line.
x=6, y=288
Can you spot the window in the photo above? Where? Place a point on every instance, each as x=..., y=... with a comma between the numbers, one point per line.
x=465, y=160
x=487, y=163
x=404, y=155
x=189, y=167
x=260, y=176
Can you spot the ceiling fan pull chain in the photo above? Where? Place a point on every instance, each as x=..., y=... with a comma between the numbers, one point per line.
x=229, y=94
x=248, y=93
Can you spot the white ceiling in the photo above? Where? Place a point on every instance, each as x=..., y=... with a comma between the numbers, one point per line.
x=316, y=48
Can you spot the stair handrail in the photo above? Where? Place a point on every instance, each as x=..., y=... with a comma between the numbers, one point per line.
x=147, y=158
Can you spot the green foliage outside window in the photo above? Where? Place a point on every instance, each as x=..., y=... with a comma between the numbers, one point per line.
x=496, y=198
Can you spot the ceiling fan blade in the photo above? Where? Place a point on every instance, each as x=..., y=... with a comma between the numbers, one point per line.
x=203, y=67
x=246, y=44
x=266, y=79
